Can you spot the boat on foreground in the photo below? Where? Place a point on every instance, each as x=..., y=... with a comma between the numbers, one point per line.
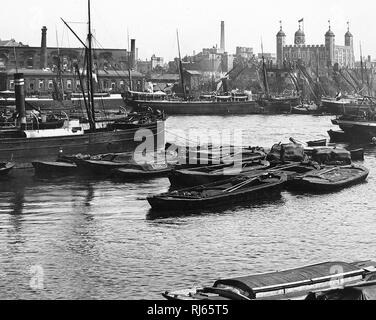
x=144, y=172
x=237, y=190
x=205, y=175
x=291, y=284
x=330, y=178
x=54, y=169
x=6, y=167
x=360, y=128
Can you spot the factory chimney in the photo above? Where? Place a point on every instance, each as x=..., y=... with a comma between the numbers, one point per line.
x=43, y=49
x=133, y=54
x=223, y=43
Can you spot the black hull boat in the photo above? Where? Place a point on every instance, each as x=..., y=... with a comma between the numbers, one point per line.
x=5, y=168
x=330, y=179
x=357, y=128
x=145, y=172
x=101, y=167
x=344, y=106
x=338, y=136
x=305, y=109
x=54, y=169
x=317, y=143
x=142, y=100
x=279, y=105
x=205, y=175
x=223, y=193
x=357, y=154
x=291, y=284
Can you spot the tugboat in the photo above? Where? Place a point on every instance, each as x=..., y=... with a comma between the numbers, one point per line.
x=26, y=145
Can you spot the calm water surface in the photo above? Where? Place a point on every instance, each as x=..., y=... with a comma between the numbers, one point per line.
x=89, y=239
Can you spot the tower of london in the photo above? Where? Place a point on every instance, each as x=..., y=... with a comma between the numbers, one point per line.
x=324, y=55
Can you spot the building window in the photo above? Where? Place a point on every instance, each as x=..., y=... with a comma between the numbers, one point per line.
x=113, y=85
x=41, y=84
x=78, y=85
x=11, y=84
x=122, y=84
x=31, y=85
x=69, y=84
x=50, y=84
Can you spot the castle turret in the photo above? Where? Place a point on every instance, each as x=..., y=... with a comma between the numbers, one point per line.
x=299, y=37
x=349, y=42
x=281, y=42
x=349, y=39
x=330, y=46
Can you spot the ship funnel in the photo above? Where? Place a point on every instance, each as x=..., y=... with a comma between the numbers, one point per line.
x=19, y=89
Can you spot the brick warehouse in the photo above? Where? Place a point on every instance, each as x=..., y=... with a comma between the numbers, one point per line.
x=39, y=65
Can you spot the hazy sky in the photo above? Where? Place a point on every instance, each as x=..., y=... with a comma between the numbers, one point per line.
x=153, y=23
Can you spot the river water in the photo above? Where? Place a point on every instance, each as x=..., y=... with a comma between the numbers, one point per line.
x=94, y=239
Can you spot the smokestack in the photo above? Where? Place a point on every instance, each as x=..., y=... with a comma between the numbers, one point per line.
x=43, y=49
x=223, y=43
x=19, y=90
x=133, y=53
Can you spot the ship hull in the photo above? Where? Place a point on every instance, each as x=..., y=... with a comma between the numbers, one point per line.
x=278, y=106
x=363, y=131
x=24, y=151
x=198, y=107
x=342, y=108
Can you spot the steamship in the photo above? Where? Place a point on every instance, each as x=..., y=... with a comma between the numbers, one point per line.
x=205, y=105
x=23, y=145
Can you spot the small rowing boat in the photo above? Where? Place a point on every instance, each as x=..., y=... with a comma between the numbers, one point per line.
x=236, y=190
x=205, y=175
x=52, y=169
x=330, y=178
x=147, y=171
x=317, y=143
x=5, y=168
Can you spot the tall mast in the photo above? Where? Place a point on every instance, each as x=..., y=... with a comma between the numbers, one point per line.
x=361, y=63
x=59, y=71
x=181, y=68
x=90, y=68
x=265, y=74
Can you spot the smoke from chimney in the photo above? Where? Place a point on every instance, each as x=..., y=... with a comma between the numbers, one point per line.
x=43, y=49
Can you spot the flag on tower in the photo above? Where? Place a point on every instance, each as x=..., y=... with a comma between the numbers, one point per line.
x=301, y=20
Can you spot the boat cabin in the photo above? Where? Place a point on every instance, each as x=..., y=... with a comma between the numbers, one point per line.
x=146, y=96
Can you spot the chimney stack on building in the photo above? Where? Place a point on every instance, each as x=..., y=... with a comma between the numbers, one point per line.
x=223, y=43
x=133, y=54
x=43, y=49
